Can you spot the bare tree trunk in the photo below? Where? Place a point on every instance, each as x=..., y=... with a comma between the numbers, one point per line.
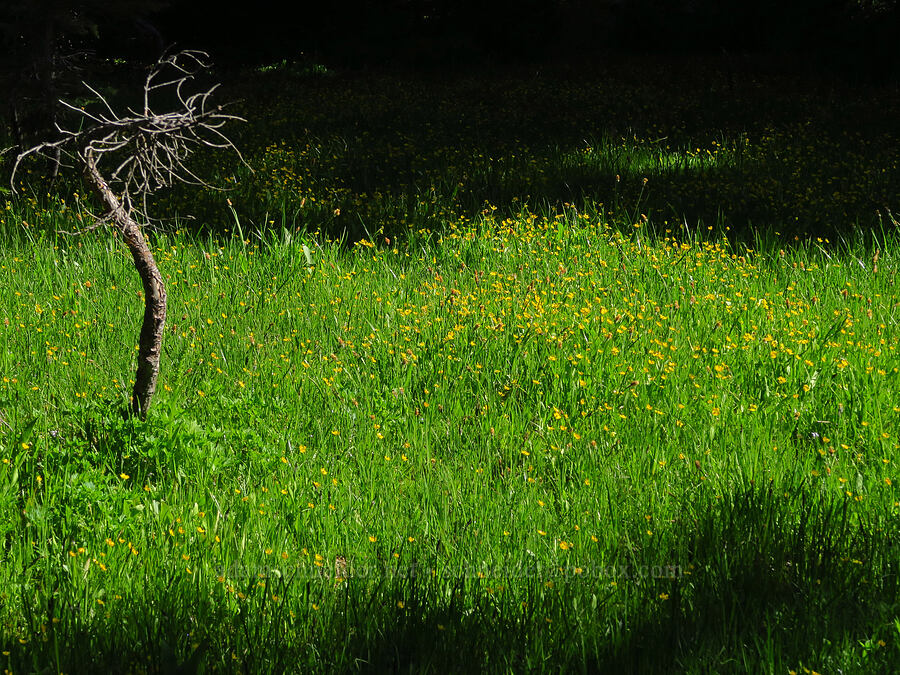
x=155, y=148
x=150, y=342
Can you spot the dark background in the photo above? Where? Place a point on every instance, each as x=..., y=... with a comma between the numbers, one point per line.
x=853, y=36
x=47, y=47
x=856, y=37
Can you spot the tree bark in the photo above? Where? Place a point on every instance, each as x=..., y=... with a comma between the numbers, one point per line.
x=150, y=341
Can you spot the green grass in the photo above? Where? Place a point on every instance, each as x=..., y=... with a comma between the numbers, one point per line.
x=491, y=428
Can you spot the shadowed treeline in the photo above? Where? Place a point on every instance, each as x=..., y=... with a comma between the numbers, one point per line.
x=448, y=33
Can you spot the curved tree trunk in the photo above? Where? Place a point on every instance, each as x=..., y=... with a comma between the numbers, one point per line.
x=152, y=150
x=150, y=342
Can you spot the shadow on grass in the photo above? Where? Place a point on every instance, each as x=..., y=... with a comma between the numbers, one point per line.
x=773, y=152
x=767, y=582
x=778, y=581
x=355, y=155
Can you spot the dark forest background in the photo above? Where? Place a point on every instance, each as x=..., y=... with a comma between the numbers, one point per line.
x=854, y=36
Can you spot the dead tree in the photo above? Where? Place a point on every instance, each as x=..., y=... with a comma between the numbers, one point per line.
x=149, y=151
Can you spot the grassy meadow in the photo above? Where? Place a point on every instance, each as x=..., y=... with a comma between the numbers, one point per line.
x=522, y=371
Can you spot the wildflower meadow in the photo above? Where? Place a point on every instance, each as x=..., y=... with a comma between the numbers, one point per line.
x=528, y=371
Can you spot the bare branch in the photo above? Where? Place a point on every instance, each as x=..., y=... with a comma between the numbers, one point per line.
x=102, y=100
x=153, y=149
